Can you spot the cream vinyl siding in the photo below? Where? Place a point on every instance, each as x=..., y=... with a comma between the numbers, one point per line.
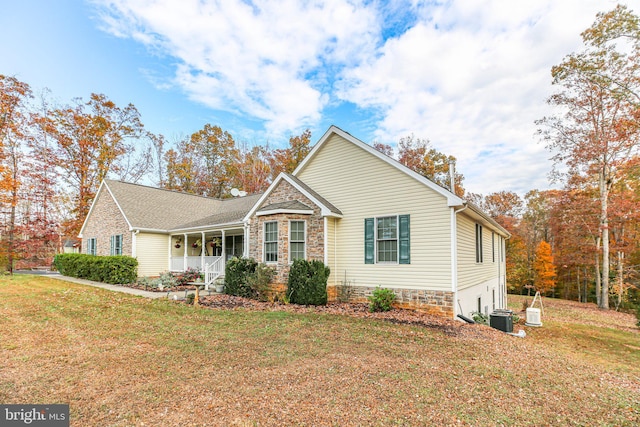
x=152, y=253
x=334, y=280
x=470, y=272
x=363, y=186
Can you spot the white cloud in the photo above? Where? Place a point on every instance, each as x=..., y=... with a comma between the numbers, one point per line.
x=470, y=75
x=473, y=76
x=265, y=59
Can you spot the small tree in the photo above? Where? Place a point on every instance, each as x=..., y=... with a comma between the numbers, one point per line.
x=544, y=270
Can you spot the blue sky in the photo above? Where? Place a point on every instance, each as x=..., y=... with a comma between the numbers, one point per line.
x=469, y=75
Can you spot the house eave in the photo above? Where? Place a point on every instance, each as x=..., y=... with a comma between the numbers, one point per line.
x=285, y=211
x=206, y=227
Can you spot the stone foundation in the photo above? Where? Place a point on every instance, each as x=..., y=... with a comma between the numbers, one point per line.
x=439, y=303
x=434, y=302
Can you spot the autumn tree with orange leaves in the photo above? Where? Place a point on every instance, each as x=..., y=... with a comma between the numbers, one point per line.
x=287, y=159
x=545, y=270
x=14, y=124
x=92, y=139
x=597, y=128
x=418, y=155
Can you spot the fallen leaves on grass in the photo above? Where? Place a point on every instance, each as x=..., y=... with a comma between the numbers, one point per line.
x=360, y=310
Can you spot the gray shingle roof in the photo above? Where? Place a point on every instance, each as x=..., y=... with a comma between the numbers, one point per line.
x=159, y=209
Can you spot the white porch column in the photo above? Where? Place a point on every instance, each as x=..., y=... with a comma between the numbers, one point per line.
x=170, y=251
x=224, y=254
x=245, y=243
x=184, y=260
x=203, y=248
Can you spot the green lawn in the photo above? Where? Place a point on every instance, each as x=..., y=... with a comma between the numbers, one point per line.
x=120, y=360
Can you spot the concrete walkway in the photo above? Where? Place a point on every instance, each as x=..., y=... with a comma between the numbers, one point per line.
x=123, y=289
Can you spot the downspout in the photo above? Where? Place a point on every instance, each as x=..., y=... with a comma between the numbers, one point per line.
x=326, y=241
x=454, y=257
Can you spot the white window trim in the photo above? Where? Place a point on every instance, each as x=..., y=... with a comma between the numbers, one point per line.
x=264, y=243
x=113, y=247
x=493, y=247
x=93, y=249
x=375, y=238
x=479, y=244
x=297, y=241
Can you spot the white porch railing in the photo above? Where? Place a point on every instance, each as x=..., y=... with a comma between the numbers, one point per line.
x=213, y=271
x=180, y=263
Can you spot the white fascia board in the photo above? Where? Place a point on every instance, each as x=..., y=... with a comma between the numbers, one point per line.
x=285, y=211
x=452, y=199
x=104, y=185
x=324, y=210
x=263, y=197
x=476, y=213
x=150, y=230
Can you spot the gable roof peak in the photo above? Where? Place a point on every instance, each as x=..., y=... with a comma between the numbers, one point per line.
x=452, y=199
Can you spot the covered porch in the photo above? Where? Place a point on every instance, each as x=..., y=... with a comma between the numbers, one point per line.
x=205, y=250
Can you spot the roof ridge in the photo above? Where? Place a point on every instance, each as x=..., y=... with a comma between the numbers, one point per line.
x=164, y=189
x=177, y=191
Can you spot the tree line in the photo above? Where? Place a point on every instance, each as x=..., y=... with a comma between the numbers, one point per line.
x=579, y=242
x=582, y=241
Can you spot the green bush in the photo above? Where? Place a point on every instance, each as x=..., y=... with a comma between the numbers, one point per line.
x=259, y=281
x=118, y=269
x=307, y=282
x=638, y=316
x=480, y=317
x=235, y=277
x=381, y=300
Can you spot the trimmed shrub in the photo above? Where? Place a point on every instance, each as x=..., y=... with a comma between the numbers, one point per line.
x=118, y=269
x=307, y=282
x=381, y=300
x=236, y=273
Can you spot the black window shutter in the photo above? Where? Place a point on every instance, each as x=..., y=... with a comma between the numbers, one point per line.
x=369, y=241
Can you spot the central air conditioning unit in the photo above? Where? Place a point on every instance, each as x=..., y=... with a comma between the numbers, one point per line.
x=533, y=317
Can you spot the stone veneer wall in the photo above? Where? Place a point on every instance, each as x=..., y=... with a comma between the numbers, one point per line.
x=104, y=222
x=434, y=302
x=314, y=231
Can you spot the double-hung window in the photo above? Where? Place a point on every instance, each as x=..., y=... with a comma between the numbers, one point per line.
x=271, y=241
x=296, y=240
x=91, y=246
x=479, y=243
x=387, y=240
x=116, y=244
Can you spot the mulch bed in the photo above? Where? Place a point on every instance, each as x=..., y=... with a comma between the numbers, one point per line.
x=149, y=289
x=360, y=310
